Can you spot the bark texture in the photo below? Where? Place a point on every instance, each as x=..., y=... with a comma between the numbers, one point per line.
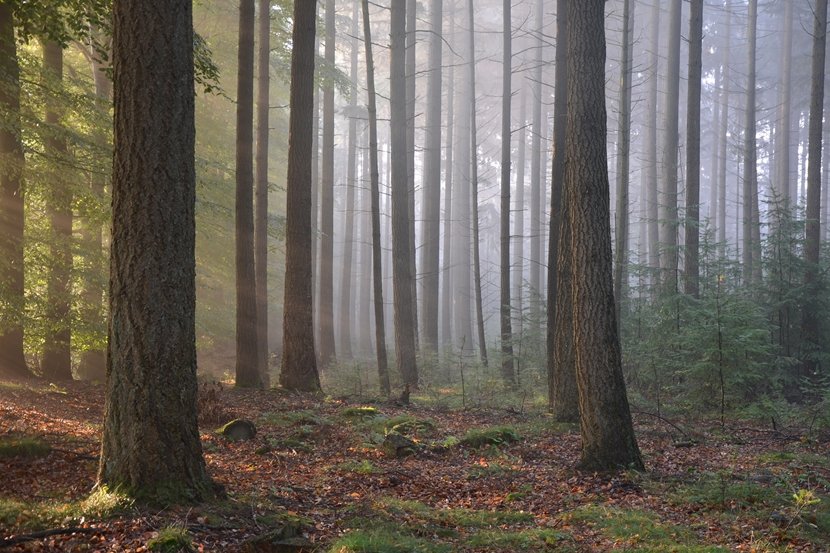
x=151, y=443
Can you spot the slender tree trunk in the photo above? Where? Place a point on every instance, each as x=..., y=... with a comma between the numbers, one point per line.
x=652, y=141
x=724, y=139
x=411, y=39
x=692, y=257
x=519, y=221
x=366, y=268
x=623, y=163
x=261, y=192
x=151, y=445
x=668, y=205
x=12, y=360
x=482, y=343
x=717, y=98
x=345, y=322
x=432, y=184
x=562, y=390
x=811, y=325
x=247, y=373
x=402, y=277
x=377, y=268
x=57, y=358
x=784, y=128
x=446, y=255
x=299, y=363
x=326, y=301
x=608, y=440
x=537, y=133
x=750, y=165
x=507, y=370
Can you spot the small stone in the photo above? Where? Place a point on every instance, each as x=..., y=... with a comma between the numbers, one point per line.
x=239, y=430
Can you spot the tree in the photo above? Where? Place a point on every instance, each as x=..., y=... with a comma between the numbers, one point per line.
x=562, y=392
x=402, y=290
x=246, y=318
x=507, y=370
x=449, y=169
x=692, y=257
x=57, y=359
x=299, y=362
x=608, y=440
x=812, y=281
x=410, y=71
x=377, y=264
x=519, y=221
x=432, y=184
x=326, y=252
x=535, y=261
x=12, y=361
x=653, y=199
x=784, y=127
x=751, y=250
x=151, y=444
x=261, y=190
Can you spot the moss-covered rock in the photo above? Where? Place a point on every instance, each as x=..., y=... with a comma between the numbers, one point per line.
x=238, y=430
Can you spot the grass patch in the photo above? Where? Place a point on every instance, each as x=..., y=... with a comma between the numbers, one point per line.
x=101, y=504
x=25, y=447
x=172, y=539
x=463, y=518
x=407, y=425
x=536, y=539
x=723, y=493
x=364, y=412
x=359, y=467
x=497, y=435
x=382, y=540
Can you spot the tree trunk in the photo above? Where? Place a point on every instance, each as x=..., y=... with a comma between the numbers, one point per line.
x=623, y=163
x=446, y=254
x=507, y=371
x=608, y=440
x=365, y=303
x=692, y=254
x=345, y=321
x=750, y=165
x=261, y=215
x=482, y=343
x=404, y=331
x=57, y=358
x=12, y=361
x=562, y=392
x=717, y=98
x=724, y=129
x=326, y=299
x=432, y=184
x=652, y=159
x=377, y=269
x=299, y=363
x=537, y=133
x=151, y=445
x=519, y=221
x=247, y=373
x=668, y=205
x=411, y=39
x=811, y=324
x=784, y=128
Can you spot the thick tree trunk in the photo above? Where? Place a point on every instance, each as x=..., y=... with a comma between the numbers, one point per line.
x=507, y=371
x=692, y=254
x=326, y=299
x=12, y=361
x=377, y=269
x=811, y=325
x=402, y=277
x=247, y=373
x=151, y=445
x=608, y=440
x=261, y=191
x=432, y=184
x=668, y=203
x=562, y=393
x=57, y=358
x=623, y=163
x=299, y=363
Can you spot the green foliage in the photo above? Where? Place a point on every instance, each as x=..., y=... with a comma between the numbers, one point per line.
x=723, y=492
x=172, y=539
x=465, y=518
x=497, y=435
x=358, y=467
x=360, y=413
x=100, y=505
x=537, y=539
x=385, y=541
x=24, y=446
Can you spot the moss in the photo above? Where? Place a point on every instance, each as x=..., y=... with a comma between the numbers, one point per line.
x=724, y=493
x=385, y=540
x=101, y=504
x=172, y=539
x=496, y=435
x=536, y=539
x=359, y=467
x=25, y=447
x=365, y=412
x=464, y=518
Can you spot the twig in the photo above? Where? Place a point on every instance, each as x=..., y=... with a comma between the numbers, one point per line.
x=45, y=534
x=667, y=421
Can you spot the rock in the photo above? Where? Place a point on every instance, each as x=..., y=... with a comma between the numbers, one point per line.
x=286, y=539
x=238, y=430
x=397, y=445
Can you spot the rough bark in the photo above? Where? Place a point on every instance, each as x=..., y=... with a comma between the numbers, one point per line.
x=562, y=394
x=57, y=359
x=12, y=360
x=299, y=362
x=432, y=184
x=608, y=440
x=377, y=268
x=402, y=277
x=151, y=445
x=261, y=188
x=247, y=373
x=326, y=297
x=507, y=370
x=692, y=226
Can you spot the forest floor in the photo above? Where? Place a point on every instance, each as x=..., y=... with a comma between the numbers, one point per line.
x=315, y=468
